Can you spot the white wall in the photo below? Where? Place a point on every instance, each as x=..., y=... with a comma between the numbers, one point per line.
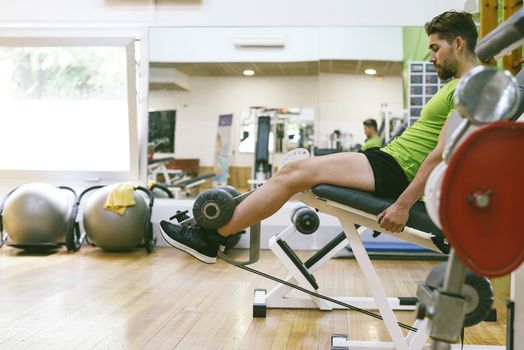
x=175, y=44
x=361, y=43
x=341, y=101
x=345, y=101
x=227, y=13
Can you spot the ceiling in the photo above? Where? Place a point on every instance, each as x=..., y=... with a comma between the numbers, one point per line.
x=263, y=69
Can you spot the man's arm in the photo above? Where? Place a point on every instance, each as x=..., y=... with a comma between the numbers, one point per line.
x=394, y=218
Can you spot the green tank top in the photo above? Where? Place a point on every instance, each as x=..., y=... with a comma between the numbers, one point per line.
x=372, y=142
x=412, y=147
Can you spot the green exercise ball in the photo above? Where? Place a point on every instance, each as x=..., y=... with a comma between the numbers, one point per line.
x=36, y=213
x=112, y=231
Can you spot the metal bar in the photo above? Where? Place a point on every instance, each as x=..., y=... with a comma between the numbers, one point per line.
x=373, y=282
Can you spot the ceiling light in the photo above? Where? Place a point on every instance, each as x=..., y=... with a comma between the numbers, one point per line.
x=370, y=71
x=248, y=72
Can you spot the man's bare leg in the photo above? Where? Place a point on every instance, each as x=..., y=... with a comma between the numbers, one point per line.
x=341, y=169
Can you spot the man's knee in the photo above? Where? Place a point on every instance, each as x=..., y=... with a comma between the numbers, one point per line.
x=294, y=174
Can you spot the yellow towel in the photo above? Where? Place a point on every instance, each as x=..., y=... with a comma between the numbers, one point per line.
x=120, y=198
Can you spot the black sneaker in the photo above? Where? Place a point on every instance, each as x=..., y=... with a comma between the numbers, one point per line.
x=201, y=243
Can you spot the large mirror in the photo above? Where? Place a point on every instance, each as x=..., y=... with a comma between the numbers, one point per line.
x=231, y=97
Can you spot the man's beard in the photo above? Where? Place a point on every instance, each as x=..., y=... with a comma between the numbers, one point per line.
x=448, y=69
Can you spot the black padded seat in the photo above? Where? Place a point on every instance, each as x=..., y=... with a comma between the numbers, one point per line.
x=367, y=202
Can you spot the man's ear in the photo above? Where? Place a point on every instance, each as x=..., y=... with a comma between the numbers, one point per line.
x=459, y=43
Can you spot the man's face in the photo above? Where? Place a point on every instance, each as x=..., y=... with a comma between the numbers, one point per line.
x=367, y=131
x=443, y=56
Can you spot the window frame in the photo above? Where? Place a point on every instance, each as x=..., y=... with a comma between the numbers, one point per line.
x=137, y=77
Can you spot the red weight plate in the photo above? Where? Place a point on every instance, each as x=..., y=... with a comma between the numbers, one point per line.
x=490, y=239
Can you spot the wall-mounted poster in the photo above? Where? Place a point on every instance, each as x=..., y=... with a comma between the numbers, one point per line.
x=222, y=149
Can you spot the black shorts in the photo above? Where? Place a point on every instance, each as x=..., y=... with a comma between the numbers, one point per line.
x=390, y=179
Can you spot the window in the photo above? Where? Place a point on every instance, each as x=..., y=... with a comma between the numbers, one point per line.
x=68, y=105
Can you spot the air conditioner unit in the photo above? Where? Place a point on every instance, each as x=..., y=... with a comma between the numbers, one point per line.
x=260, y=41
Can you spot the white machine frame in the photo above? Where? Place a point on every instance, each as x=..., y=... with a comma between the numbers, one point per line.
x=348, y=217
x=301, y=274
x=278, y=297
x=159, y=167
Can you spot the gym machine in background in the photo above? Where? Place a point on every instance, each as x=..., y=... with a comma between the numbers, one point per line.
x=180, y=183
x=161, y=161
x=262, y=169
x=269, y=132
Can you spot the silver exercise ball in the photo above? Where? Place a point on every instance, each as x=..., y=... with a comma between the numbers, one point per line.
x=36, y=213
x=112, y=231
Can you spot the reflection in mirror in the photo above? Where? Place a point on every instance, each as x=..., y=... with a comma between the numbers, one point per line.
x=202, y=92
x=310, y=83
x=161, y=134
x=160, y=145
x=205, y=73
x=290, y=128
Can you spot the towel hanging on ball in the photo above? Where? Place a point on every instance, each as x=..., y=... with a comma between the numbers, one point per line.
x=120, y=198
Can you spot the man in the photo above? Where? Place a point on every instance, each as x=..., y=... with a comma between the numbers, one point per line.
x=399, y=170
x=372, y=137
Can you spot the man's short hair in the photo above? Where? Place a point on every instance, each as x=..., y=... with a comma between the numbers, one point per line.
x=452, y=24
x=372, y=123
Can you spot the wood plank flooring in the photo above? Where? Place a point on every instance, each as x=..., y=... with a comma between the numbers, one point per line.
x=167, y=300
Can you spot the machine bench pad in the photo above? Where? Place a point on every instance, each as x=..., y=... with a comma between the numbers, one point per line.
x=369, y=203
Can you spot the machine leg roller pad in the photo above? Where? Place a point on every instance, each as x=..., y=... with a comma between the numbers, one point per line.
x=259, y=303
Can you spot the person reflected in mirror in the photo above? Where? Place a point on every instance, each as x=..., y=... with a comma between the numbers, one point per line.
x=373, y=139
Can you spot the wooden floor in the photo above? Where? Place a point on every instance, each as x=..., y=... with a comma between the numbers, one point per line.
x=167, y=300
